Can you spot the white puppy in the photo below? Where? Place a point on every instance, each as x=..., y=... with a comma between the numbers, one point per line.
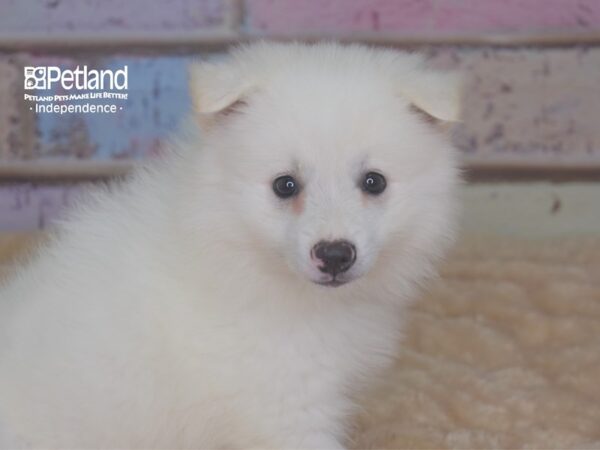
x=240, y=291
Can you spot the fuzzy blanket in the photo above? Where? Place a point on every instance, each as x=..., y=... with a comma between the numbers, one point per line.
x=502, y=352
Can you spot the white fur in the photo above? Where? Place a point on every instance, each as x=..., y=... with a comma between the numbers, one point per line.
x=178, y=310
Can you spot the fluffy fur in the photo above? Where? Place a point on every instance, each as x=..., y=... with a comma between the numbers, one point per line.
x=180, y=309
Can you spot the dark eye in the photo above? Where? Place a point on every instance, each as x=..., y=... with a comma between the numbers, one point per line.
x=374, y=183
x=285, y=186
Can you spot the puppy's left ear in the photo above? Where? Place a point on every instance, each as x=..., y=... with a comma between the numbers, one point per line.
x=437, y=95
x=216, y=86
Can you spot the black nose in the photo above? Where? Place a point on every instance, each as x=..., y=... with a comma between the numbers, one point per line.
x=336, y=256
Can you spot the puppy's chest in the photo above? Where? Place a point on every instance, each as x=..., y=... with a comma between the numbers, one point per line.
x=316, y=356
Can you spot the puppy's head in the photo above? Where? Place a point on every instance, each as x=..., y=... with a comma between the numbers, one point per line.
x=332, y=158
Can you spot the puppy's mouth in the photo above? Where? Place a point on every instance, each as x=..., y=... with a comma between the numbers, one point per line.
x=333, y=282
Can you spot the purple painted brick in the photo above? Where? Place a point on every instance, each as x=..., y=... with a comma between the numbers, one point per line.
x=111, y=15
x=27, y=207
x=9, y=112
x=422, y=16
x=17, y=129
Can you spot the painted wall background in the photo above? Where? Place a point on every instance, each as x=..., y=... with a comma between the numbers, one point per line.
x=525, y=106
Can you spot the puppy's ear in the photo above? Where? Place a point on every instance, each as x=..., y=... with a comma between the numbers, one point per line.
x=215, y=87
x=435, y=95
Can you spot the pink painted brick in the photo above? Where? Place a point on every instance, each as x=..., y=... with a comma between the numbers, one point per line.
x=515, y=15
x=27, y=207
x=288, y=16
x=49, y=16
x=422, y=16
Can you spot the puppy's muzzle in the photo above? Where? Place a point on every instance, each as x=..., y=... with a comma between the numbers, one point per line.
x=335, y=257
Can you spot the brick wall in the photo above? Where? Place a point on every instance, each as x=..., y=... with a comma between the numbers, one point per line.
x=434, y=17
x=526, y=105
x=109, y=16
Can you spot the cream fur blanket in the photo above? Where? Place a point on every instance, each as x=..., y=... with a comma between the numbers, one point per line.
x=503, y=352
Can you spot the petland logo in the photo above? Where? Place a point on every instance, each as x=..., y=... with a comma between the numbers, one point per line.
x=94, y=85
x=81, y=78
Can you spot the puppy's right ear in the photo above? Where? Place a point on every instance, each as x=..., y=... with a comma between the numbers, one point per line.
x=215, y=87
